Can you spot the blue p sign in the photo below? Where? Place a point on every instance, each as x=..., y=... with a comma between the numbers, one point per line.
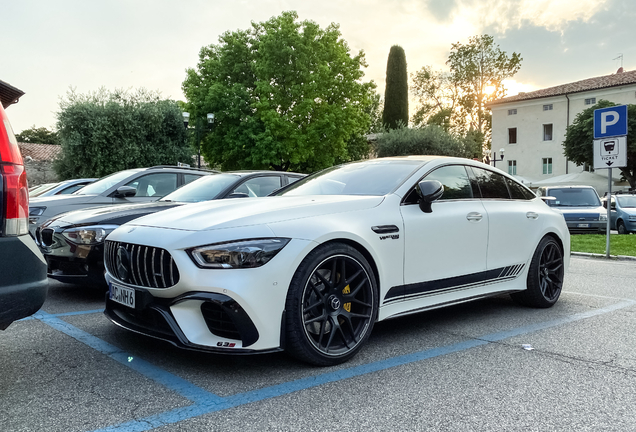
x=610, y=122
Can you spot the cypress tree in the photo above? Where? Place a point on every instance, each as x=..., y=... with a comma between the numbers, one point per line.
x=396, y=92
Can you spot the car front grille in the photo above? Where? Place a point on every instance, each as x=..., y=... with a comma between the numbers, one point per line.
x=46, y=236
x=140, y=265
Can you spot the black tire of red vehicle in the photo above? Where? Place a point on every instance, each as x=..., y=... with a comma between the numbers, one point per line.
x=620, y=227
x=545, y=276
x=331, y=305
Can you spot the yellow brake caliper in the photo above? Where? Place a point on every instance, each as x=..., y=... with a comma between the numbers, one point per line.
x=347, y=306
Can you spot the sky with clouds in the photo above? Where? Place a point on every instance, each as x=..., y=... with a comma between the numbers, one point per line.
x=50, y=46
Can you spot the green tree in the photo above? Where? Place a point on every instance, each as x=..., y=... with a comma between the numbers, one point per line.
x=39, y=135
x=375, y=111
x=286, y=95
x=479, y=68
x=428, y=140
x=579, y=138
x=438, y=97
x=456, y=100
x=103, y=132
x=396, y=91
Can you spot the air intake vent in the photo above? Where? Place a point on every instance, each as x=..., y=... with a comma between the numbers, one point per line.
x=139, y=265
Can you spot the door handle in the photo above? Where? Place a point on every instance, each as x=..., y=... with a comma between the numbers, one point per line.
x=474, y=216
x=532, y=215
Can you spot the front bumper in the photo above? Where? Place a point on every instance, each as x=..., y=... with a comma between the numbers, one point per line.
x=224, y=318
x=587, y=227
x=69, y=262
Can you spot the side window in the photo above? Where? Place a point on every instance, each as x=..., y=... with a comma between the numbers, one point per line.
x=187, y=178
x=512, y=135
x=154, y=185
x=491, y=184
x=292, y=179
x=70, y=189
x=455, y=180
x=517, y=191
x=259, y=186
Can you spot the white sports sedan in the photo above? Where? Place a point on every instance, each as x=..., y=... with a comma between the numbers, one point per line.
x=312, y=269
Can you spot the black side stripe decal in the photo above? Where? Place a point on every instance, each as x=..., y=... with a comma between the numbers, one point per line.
x=422, y=289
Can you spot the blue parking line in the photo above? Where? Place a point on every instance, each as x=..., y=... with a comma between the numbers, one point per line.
x=173, y=382
x=206, y=403
x=85, y=312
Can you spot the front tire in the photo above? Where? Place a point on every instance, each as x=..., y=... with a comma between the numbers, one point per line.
x=545, y=276
x=620, y=227
x=331, y=305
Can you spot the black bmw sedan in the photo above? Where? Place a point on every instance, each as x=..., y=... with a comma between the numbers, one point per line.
x=73, y=242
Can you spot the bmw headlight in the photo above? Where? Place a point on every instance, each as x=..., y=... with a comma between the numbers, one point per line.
x=90, y=235
x=237, y=254
x=602, y=217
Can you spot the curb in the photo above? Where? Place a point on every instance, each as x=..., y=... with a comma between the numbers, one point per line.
x=594, y=255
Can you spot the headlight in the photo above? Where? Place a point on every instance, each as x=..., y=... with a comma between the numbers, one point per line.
x=237, y=254
x=602, y=217
x=90, y=235
x=36, y=211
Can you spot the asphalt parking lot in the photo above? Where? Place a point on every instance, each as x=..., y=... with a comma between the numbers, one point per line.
x=489, y=365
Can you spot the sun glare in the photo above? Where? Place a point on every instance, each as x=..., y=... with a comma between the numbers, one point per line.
x=513, y=87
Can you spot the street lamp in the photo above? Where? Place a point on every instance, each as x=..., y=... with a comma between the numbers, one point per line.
x=494, y=157
x=197, y=129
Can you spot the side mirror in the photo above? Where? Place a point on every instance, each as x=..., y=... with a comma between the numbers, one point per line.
x=429, y=191
x=238, y=195
x=125, y=192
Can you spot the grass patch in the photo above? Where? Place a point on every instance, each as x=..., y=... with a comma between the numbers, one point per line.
x=595, y=243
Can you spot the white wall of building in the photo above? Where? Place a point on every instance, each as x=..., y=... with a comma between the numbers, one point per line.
x=531, y=148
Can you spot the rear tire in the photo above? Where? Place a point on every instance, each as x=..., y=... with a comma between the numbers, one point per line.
x=545, y=276
x=331, y=305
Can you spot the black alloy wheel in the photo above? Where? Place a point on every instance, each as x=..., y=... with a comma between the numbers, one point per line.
x=545, y=276
x=331, y=306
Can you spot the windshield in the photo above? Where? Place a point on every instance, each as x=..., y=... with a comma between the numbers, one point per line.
x=574, y=197
x=105, y=183
x=39, y=190
x=204, y=189
x=626, y=201
x=376, y=177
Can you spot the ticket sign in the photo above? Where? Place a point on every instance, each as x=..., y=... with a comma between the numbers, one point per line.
x=610, y=122
x=610, y=152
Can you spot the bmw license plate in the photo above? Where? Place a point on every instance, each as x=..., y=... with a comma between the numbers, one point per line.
x=122, y=295
x=583, y=225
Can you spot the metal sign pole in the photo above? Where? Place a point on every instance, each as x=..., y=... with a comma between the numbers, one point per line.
x=609, y=206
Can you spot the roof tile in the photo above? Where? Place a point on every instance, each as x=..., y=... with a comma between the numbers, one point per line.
x=613, y=80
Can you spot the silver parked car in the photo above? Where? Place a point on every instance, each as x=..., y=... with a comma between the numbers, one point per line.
x=65, y=187
x=124, y=187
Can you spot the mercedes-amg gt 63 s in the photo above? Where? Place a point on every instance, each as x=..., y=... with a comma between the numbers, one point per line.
x=311, y=269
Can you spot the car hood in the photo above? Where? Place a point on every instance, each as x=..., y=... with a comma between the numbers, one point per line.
x=58, y=200
x=113, y=215
x=237, y=212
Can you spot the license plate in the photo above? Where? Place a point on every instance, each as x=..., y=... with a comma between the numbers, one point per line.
x=583, y=225
x=122, y=295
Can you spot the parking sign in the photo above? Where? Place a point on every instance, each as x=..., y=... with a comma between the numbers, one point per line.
x=610, y=122
x=610, y=152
